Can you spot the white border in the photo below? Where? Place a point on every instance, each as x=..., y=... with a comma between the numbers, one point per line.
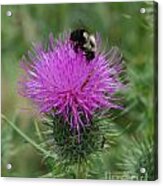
x=54, y=182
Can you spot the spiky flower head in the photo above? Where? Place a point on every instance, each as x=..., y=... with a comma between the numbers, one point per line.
x=139, y=158
x=64, y=83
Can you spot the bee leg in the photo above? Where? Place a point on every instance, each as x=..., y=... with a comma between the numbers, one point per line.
x=76, y=48
x=89, y=55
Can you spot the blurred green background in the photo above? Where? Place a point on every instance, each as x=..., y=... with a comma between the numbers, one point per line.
x=120, y=24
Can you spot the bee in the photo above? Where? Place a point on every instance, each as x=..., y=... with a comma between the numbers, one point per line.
x=83, y=40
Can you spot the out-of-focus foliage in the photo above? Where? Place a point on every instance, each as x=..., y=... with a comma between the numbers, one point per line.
x=120, y=24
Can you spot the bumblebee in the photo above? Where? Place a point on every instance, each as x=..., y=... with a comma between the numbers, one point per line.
x=83, y=40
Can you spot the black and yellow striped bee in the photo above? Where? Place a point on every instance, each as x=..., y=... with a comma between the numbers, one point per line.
x=83, y=40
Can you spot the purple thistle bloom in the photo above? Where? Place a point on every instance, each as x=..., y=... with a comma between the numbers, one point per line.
x=62, y=82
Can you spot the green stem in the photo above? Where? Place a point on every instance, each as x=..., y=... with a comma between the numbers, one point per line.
x=24, y=136
x=38, y=131
x=81, y=171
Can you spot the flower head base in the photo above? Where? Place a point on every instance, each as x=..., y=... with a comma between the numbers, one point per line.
x=62, y=82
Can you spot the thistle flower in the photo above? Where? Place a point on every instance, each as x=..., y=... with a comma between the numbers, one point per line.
x=62, y=82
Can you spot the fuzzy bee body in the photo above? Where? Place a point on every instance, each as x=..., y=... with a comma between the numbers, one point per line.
x=83, y=40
